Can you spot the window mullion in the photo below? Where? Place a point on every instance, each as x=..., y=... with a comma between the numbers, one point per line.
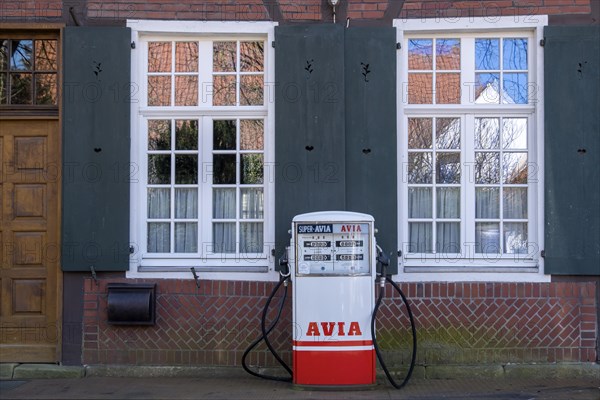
x=469, y=185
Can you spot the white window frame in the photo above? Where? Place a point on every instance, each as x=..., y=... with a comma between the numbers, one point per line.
x=178, y=266
x=469, y=267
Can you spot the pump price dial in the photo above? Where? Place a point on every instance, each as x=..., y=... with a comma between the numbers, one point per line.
x=349, y=257
x=317, y=243
x=349, y=243
x=317, y=257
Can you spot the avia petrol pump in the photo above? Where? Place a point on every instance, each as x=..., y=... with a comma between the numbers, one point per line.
x=333, y=269
x=331, y=262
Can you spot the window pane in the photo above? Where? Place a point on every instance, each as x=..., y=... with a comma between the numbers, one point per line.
x=21, y=59
x=420, y=237
x=487, y=54
x=159, y=90
x=447, y=54
x=514, y=168
x=45, y=89
x=159, y=57
x=515, y=89
x=224, y=90
x=515, y=238
x=224, y=237
x=159, y=134
x=447, y=133
x=224, y=203
x=251, y=169
x=487, y=133
x=159, y=203
x=186, y=169
x=4, y=54
x=420, y=88
x=514, y=133
x=447, y=88
x=487, y=168
x=514, y=203
x=419, y=133
x=447, y=168
x=419, y=168
x=251, y=134
x=186, y=237
x=224, y=56
x=252, y=56
x=186, y=90
x=251, y=237
x=186, y=203
x=159, y=169
x=251, y=90
x=419, y=202
x=252, y=203
x=224, y=135
x=186, y=57
x=487, y=88
x=223, y=169
x=487, y=203
x=448, y=202
x=20, y=88
x=448, y=237
x=3, y=88
x=45, y=55
x=487, y=237
x=159, y=237
x=186, y=134
x=420, y=54
x=515, y=54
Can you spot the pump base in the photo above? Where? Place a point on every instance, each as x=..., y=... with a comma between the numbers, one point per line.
x=336, y=388
x=334, y=368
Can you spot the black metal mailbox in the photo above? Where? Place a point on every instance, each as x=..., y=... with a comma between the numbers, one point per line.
x=131, y=303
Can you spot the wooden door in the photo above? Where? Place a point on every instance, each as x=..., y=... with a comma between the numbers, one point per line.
x=30, y=327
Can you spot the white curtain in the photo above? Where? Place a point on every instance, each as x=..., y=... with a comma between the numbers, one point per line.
x=251, y=237
x=487, y=203
x=224, y=234
x=159, y=233
x=419, y=237
x=186, y=233
x=514, y=203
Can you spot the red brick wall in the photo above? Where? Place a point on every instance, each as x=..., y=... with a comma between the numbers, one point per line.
x=457, y=323
x=117, y=11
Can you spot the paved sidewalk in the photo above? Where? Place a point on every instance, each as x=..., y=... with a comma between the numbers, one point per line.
x=221, y=388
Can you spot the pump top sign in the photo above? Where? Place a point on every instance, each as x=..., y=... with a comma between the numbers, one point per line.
x=332, y=248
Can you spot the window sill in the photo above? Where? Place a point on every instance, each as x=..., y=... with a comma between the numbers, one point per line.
x=206, y=268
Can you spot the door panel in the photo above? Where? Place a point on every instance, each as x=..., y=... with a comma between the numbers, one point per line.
x=29, y=241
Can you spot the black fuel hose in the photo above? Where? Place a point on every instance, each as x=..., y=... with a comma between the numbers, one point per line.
x=265, y=336
x=413, y=330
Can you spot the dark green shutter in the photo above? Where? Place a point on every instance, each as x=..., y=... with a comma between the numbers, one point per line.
x=309, y=123
x=371, y=178
x=335, y=126
x=572, y=149
x=96, y=144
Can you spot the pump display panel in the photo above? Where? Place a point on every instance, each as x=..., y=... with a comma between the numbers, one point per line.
x=333, y=248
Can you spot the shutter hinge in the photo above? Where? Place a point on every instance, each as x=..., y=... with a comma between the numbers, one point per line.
x=399, y=253
x=131, y=249
x=273, y=252
x=273, y=44
x=543, y=42
x=133, y=45
x=543, y=253
x=94, y=276
x=398, y=46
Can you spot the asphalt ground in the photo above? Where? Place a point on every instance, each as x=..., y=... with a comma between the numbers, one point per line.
x=223, y=388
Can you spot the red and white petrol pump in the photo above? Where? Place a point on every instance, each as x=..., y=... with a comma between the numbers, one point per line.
x=331, y=262
x=332, y=265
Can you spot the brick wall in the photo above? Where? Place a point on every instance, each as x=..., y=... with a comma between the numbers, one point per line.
x=457, y=323
x=117, y=11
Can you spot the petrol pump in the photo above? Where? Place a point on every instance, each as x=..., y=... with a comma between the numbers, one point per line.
x=333, y=269
x=331, y=263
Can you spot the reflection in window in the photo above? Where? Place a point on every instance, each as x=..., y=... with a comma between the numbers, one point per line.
x=501, y=67
x=28, y=72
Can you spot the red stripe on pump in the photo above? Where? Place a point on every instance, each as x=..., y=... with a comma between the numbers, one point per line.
x=347, y=343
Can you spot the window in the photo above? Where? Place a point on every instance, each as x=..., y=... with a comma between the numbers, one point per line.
x=469, y=143
x=203, y=140
x=28, y=71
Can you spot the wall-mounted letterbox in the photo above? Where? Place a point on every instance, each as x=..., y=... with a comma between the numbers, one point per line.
x=131, y=303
